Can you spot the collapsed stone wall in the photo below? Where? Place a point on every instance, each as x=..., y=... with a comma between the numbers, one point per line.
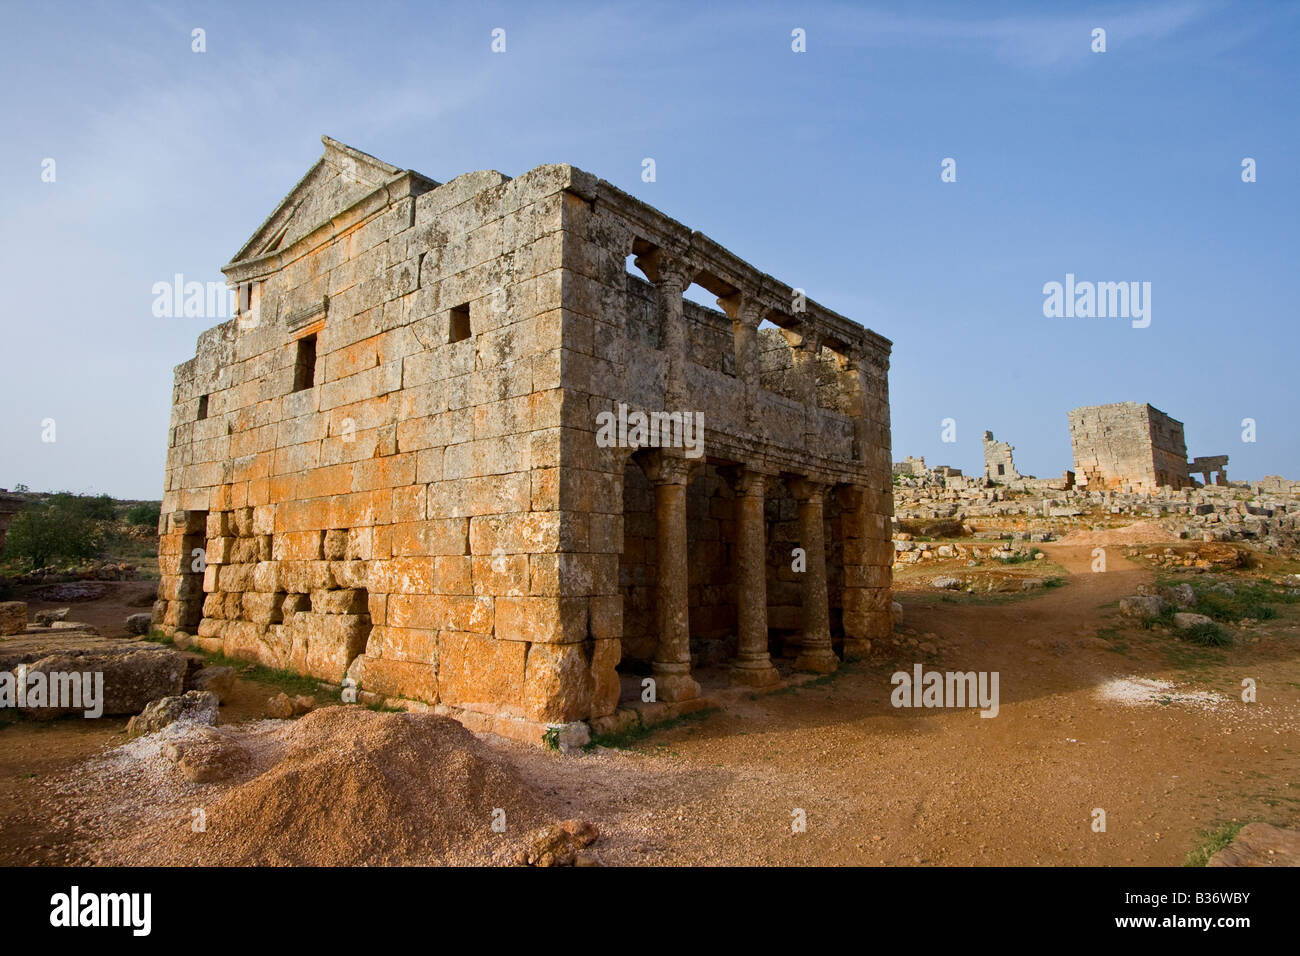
x=1210, y=513
x=998, y=462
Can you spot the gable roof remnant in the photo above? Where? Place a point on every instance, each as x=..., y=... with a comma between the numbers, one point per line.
x=341, y=178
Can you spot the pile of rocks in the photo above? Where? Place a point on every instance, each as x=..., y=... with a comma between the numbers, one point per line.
x=1266, y=514
x=909, y=551
x=86, y=571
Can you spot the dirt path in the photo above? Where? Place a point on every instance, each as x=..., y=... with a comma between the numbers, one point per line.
x=881, y=785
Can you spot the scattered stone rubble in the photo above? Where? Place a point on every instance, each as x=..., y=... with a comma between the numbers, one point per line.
x=193, y=706
x=562, y=844
x=1259, y=513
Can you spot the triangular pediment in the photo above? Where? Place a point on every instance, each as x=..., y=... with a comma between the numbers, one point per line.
x=339, y=179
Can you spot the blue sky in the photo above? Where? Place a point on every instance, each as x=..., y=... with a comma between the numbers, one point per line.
x=820, y=167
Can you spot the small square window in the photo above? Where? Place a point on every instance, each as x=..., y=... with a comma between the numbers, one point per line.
x=458, y=329
x=304, y=368
x=203, y=407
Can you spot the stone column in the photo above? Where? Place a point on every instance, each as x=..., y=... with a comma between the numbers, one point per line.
x=671, y=275
x=672, y=663
x=746, y=313
x=753, y=665
x=853, y=379
x=805, y=365
x=815, y=652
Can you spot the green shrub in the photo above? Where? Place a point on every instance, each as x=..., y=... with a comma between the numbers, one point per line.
x=1212, y=841
x=143, y=515
x=57, y=529
x=1206, y=635
x=90, y=507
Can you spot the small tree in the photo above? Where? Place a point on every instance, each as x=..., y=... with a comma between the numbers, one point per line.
x=143, y=515
x=54, y=529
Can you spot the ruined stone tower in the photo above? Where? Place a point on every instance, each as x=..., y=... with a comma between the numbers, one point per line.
x=392, y=464
x=1128, y=446
x=998, y=463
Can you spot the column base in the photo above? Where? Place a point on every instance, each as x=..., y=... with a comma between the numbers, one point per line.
x=759, y=673
x=673, y=683
x=819, y=660
x=856, y=650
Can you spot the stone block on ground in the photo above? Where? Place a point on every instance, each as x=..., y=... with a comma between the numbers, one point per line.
x=194, y=706
x=13, y=617
x=218, y=680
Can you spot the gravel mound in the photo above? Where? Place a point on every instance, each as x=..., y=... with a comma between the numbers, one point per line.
x=353, y=787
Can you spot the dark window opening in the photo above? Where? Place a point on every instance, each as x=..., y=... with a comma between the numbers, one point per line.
x=459, y=328
x=304, y=369
x=1002, y=469
x=203, y=407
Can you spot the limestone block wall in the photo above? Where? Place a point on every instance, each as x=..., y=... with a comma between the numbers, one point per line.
x=1127, y=446
x=398, y=520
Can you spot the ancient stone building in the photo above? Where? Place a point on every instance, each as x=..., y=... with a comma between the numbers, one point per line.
x=467, y=444
x=1210, y=465
x=910, y=466
x=1128, y=446
x=998, y=464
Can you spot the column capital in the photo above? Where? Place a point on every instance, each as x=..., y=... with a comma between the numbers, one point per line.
x=746, y=481
x=667, y=469
x=805, y=488
x=667, y=268
x=743, y=308
x=810, y=337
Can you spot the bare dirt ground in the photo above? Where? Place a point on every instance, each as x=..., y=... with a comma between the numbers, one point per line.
x=1139, y=724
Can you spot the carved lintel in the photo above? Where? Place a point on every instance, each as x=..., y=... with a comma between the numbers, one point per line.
x=297, y=318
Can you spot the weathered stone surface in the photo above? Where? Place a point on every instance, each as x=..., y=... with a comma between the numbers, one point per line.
x=1141, y=606
x=194, y=706
x=134, y=675
x=279, y=707
x=1260, y=844
x=217, y=680
x=138, y=623
x=1185, y=620
x=13, y=617
x=208, y=755
x=558, y=845
x=50, y=615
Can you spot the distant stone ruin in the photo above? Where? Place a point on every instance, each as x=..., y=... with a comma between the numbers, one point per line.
x=998, y=464
x=1131, y=446
x=389, y=465
x=911, y=466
